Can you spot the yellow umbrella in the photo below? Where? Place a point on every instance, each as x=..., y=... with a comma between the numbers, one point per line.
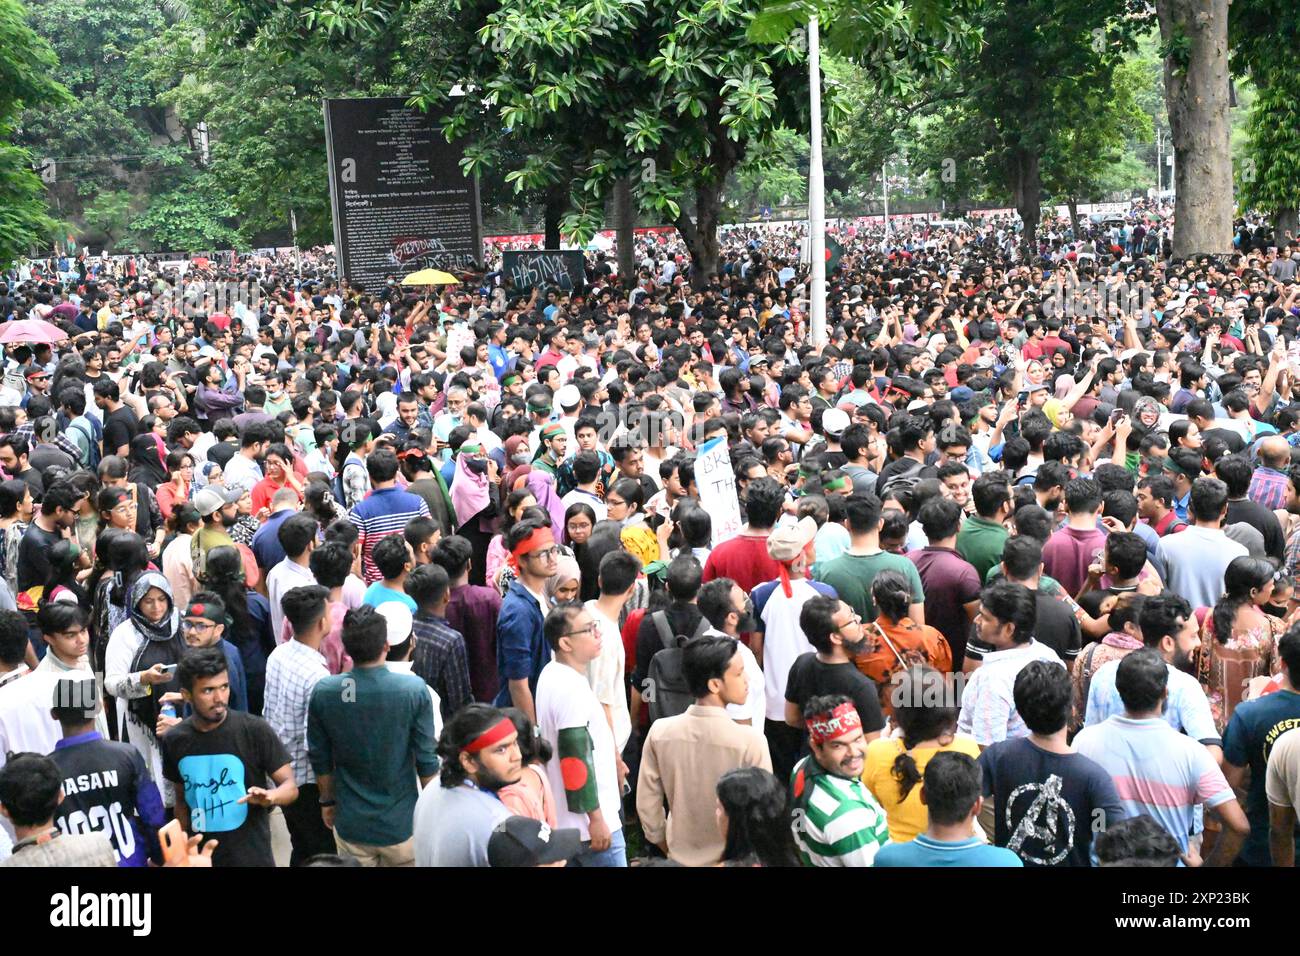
x=430, y=277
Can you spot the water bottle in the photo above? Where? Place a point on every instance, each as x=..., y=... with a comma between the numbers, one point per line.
x=168, y=710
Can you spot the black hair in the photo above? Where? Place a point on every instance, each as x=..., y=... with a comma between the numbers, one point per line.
x=704, y=659
x=953, y=785
x=1127, y=552
x=14, y=637
x=863, y=512
x=922, y=715
x=618, y=571
x=990, y=492
x=297, y=533
x=1141, y=679
x=1033, y=521
x=1042, y=694
x=1120, y=505
x=764, y=501
x=462, y=729
x=817, y=621
x=1138, y=842
x=1163, y=615
x=200, y=663
x=1023, y=556
x=453, y=553
x=1242, y=575
x=1082, y=496
x=29, y=788
x=891, y=594
x=331, y=563
x=365, y=634
x=428, y=584
x=758, y=819
x=390, y=555
x=559, y=620
x=382, y=465
x=684, y=577
x=533, y=747
x=305, y=605
x=714, y=601
x=1014, y=603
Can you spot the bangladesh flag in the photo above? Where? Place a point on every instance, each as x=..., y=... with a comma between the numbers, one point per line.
x=834, y=253
x=578, y=768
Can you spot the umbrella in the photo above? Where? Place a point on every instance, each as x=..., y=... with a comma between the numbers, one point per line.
x=430, y=277
x=31, y=330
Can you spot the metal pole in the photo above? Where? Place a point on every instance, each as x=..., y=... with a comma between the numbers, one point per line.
x=816, y=195
x=1159, y=171
x=884, y=188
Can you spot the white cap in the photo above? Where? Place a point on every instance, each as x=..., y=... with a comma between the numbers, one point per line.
x=399, y=619
x=568, y=396
x=834, y=421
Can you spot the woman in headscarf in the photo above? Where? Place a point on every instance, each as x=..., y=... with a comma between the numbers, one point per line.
x=475, y=501
x=518, y=462
x=209, y=473
x=139, y=650
x=563, y=586
x=543, y=488
x=148, y=461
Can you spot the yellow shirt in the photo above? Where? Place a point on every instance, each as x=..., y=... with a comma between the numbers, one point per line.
x=906, y=818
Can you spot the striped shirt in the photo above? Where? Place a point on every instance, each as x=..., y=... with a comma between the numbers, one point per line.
x=837, y=822
x=387, y=511
x=440, y=661
x=1269, y=488
x=292, y=671
x=1156, y=770
x=988, y=706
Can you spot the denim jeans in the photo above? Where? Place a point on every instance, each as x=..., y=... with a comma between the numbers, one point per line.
x=616, y=855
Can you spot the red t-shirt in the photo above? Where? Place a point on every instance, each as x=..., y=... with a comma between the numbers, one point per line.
x=744, y=559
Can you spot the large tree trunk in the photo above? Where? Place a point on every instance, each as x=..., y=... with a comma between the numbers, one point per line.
x=553, y=212
x=1026, y=188
x=625, y=231
x=1285, y=221
x=701, y=235
x=1072, y=204
x=1196, y=91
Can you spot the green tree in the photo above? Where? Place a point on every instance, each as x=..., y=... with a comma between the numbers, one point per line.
x=26, y=66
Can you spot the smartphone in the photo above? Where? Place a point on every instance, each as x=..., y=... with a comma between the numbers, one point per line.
x=170, y=668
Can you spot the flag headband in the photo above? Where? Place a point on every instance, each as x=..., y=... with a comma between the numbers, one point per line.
x=554, y=430
x=540, y=538
x=840, y=722
x=493, y=735
x=510, y=380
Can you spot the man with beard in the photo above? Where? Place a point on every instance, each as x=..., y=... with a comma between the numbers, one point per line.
x=836, y=821
x=219, y=760
x=1168, y=627
x=218, y=509
x=454, y=817
x=835, y=631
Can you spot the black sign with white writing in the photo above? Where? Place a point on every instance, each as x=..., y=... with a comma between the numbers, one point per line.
x=399, y=198
x=548, y=268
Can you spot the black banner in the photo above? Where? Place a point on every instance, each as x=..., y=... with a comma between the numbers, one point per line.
x=549, y=268
x=399, y=198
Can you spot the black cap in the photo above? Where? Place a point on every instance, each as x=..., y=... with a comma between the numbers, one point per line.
x=520, y=841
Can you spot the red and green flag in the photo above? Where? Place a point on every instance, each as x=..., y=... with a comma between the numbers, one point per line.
x=578, y=768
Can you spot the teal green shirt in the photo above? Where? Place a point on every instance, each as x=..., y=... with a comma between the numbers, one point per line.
x=851, y=576
x=980, y=541
x=372, y=730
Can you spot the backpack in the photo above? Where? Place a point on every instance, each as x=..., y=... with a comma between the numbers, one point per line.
x=93, y=456
x=904, y=481
x=670, y=695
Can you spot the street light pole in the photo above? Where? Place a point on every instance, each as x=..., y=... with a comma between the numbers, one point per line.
x=816, y=193
x=884, y=188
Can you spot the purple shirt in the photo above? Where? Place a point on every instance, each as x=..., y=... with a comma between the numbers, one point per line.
x=473, y=610
x=949, y=581
x=1068, y=553
x=1268, y=488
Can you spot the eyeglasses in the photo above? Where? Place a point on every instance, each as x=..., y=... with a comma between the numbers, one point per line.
x=197, y=625
x=545, y=554
x=589, y=629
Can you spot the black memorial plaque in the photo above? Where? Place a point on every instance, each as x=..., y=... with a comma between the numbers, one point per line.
x=399, y=198
x=549, y=268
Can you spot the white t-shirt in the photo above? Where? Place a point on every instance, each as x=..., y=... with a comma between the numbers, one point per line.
x=565, y=700
x=606, y=674
x=755, y=706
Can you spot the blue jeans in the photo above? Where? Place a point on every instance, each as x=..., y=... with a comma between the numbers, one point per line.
x=616, y=855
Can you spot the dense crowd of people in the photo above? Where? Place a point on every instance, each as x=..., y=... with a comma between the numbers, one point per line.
x=433, y=574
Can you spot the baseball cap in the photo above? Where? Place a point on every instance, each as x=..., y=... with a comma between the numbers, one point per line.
x=521, y=841
x=211, y=499
x=834, y=421
x=789, y=541
x=1040, y=387
x=399, y=619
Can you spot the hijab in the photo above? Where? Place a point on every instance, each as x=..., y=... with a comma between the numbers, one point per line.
x=469, y=491
x=512, y=471
x=148, y=457
x=566, y=570
x=160, y=643
x=542, y=486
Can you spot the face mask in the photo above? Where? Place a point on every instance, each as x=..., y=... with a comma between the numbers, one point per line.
x=521, y=458
x=478, y=466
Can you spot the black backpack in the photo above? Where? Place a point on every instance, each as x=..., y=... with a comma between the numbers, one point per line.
x=666, y=684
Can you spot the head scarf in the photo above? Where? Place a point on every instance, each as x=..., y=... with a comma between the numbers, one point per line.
x=201, y=474
x=148, y=459
x=469, y=491
x=543, y=488
x=169, y=626
x=512, y=472
x=567, y=570
x=160, y=643
x=1063, y=385
x=1055, y=411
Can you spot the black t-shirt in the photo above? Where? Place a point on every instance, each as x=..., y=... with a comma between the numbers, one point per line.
x=213, y=770
x=810, y=678
x=1057, y=627
x=1046, y=805
x=1235, y=442
x=119, y=428
x=1263, y=521
x=34, y=556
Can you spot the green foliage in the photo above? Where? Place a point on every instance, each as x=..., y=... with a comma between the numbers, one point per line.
x=27, y=65
x=108, y=214
x=195, y=215
x=1268, y=178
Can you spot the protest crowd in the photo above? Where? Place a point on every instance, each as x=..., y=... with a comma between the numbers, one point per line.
x=1000, y=574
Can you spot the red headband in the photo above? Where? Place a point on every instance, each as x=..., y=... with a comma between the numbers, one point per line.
x=842, y=719
x=540, y=538
x=494, y=734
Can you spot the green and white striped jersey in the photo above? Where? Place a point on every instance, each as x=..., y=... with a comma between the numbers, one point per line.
x=836, y=821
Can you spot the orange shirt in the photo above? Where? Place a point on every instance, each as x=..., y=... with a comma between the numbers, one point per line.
x=892, y=647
